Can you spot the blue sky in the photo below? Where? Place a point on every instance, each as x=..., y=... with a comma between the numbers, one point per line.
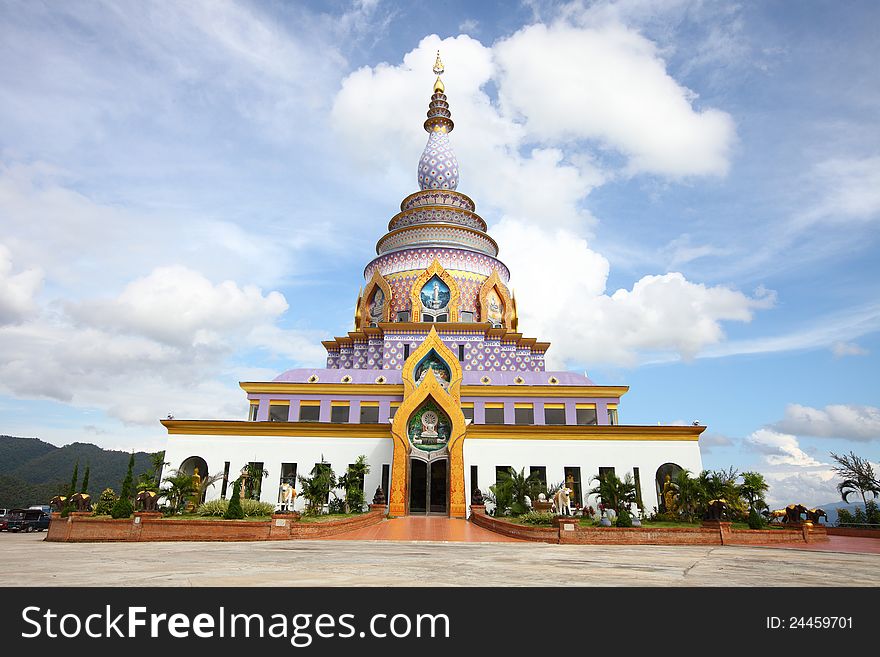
x=687, y=194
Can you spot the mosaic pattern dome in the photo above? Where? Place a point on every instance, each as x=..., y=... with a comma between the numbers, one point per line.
x=438, y=167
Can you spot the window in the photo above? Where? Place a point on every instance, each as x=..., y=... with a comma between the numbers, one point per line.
x=554, y=413
x=466, y=316
x=474, y=481
x=403, y=316
x=386, y=476
x=288, y=474
x=369, y=412
x=586, y=414
x=393, y=409
x=405, y=351
x=612, y=413
x=467, y=408
x=638, y=482
x=493, y=413
x=540, y=472
x=256, y=486
x=279, y=411
x=573, y=481
x=498, y=470
x=254, y=409
x=319, y=467
x=460, y=353
x=605, y=471
x=225, y=480
x=309, y=411
x=523, y=414
x=340, y=412
x=442, y=318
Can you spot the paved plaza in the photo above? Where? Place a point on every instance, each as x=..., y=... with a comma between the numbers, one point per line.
x=30, y=561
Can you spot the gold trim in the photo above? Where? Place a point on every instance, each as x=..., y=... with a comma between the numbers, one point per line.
x=435, y=269
x=292, y=429
x=377, y=280
x=494, y=280
x=582, y=432
x=396, y=389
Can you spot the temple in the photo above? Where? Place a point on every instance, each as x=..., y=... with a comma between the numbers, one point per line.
x=435, y=384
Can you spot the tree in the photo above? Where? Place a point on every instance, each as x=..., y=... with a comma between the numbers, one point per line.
x=180, y=486
x=253, y=477
x=206, y=482
x=858, y=477
x=85, y=486
x=123, y=507
x=353, y=484
x=519, y=487
x=616, y=493
x=753, y=488
x=689, y=495
x=316, y=488
x=150, y=479
x=234, y=510
x=105, y=502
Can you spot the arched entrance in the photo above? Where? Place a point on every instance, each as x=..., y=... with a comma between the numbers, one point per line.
x=189, y=467
x=428, y=486
x=667, y=469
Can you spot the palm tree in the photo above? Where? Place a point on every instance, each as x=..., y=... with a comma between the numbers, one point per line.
x=520, y=487
x=180, y=487
x=689, y=494
x=253, y=474
x=352, y=482
x=615, y=493
x=858, y=477
x=206, y=482
x=753, y=488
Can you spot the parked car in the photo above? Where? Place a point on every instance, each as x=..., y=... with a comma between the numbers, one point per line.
x=45, y=508
x=4, y=516
x=27, y=520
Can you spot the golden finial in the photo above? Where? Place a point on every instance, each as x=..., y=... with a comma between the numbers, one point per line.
x=438, y=71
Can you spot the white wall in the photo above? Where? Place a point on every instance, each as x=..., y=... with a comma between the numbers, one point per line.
x=275, y=450
x=589, y=455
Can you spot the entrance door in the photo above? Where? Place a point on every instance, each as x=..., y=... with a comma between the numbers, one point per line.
x=428, y=487
x=418, y=486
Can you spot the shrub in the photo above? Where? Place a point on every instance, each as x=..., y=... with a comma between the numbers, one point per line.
x=249, y=508
x=122, y=508
x=105, y=502
x=537, y=518
x=234, y=510
x=872, y=511
x=844, y=517
x=756, y=520
x=337, y=505
x=624, y=519
x=213, y=508
x=254, y=508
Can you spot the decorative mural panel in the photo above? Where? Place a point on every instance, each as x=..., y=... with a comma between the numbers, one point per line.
x=429, y=427
x=433, y=364
x=495, y=308
x=435, y=295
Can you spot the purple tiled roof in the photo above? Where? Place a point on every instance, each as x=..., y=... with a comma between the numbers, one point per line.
x=470, y=378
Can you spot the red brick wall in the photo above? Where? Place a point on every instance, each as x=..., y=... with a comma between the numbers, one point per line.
x=853, y=531
x=155, y=528
x=640, y=536
x=538, y=534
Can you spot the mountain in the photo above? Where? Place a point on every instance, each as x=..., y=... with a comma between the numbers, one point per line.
x=33, y=471
x=832, y=507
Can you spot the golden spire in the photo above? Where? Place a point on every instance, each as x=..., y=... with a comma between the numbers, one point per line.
x=438, y=71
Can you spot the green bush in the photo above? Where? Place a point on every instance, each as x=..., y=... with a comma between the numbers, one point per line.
x=337, y=505
x=249, y=508
x=105, y=502
x=537, y=518
x=122, y=508
x=756, y=520
x=624, y=519
x=844, y=517
x=872, y=512
x=234, y=510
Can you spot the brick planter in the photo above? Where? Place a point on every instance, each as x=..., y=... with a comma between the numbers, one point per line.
x=851, y=531
x=153, y=527
x=526, y=532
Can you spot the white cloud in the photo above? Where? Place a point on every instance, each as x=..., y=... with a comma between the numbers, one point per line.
x=610, y=84
x=710, y=440
x=177, y=305
x=780, y=449
x=841, y=349
x=850, y=189
x=560, y=286
x=17, y=291
x=848, y=421
x=808, y=487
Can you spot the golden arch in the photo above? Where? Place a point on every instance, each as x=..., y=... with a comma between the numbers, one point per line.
x=363, y=312
x=435, y=269
x=509, y=315
x=449, y=400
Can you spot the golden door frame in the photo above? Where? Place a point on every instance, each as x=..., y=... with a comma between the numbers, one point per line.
x=509, y=315
x=449, y=400
x=363, y=311
x=435, y=269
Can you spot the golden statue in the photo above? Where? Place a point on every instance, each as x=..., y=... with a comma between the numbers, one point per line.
x=669, y=496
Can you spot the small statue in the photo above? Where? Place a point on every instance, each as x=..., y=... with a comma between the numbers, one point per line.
x=715, y=509
x=379, y=496
x=477, y=497
x=669, y=496
x=288, y=496
x=148, y=501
